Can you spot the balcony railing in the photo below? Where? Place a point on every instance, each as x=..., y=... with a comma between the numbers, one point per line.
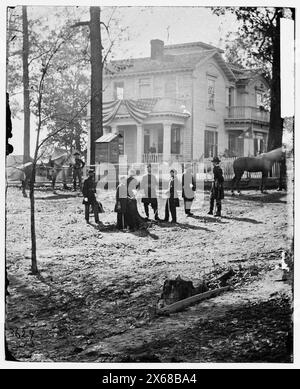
x=158, y=158
x=152, y=158
x=242, y=112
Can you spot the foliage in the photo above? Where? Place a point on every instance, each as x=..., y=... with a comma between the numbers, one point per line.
x=252, y=46
x=258, y=45
x=67, y=85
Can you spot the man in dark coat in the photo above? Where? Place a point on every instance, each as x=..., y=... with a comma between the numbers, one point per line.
x=188, y=189
x=89, y=198
x=148, y=185
x=172, y=200
x=217, y=189
x=77, y=170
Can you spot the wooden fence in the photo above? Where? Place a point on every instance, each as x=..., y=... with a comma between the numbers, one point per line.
x=202, y=170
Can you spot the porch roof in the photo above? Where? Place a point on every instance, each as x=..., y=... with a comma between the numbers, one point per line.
x=106, y=138
x=140, y=110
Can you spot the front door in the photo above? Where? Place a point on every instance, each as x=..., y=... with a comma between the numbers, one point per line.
x=130, y=143
x=146, y=142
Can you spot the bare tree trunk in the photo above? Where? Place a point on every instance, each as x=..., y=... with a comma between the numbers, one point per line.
x=276, y=122
x=26, y=142
x=34, y=268
x=96, y=79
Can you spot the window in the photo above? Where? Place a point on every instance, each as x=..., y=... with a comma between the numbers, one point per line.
x=160, y=141
x=170, y=87
x=235, y=145
x=259, y=99
x=119, y=90
x=229, y=101
x=259, y=143
x=175, y=140
x=210, y=143
x=211, y=93
x=146, y=141
x=144, y=88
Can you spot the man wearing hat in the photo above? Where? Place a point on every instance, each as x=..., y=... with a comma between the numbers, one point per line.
x=77, y=169
x=188, y=189
x=89, y=198
x=172, y=200
x=217, y=190
x=149, y=185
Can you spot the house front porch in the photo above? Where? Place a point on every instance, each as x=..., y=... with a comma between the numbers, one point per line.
x=153, y=130
x=247, y=129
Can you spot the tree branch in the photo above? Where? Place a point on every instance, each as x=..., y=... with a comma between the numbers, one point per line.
x=39, y=56
x=78, y=24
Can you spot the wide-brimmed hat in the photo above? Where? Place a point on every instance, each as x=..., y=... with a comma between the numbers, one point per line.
x=216, y=159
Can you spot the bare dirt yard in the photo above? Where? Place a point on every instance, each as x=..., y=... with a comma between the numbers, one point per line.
x=95, y=299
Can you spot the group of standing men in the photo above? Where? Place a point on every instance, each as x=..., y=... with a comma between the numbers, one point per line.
x=126, y=203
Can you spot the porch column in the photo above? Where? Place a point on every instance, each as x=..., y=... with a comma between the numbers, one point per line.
x=139, y=143
x=167, y=142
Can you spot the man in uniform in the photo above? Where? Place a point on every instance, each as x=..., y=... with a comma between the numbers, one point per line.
x=188, y=189
x=217, y=189
x=89, y=198
x=77, y=170
x=149, y=185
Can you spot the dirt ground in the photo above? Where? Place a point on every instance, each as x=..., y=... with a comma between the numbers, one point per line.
x=96, y=296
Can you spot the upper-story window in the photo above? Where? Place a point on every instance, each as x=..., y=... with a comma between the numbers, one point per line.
x=211, y=93
x=144, y=88
x=230, y=100
x=119, y=90
x=170, y=87
x=259, y=99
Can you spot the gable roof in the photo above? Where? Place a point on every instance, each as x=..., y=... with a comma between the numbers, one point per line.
x=245, y=75
x=168, y=63
x=189, y=45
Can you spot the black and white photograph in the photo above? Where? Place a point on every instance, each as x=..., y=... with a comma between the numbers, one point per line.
x=148, y=185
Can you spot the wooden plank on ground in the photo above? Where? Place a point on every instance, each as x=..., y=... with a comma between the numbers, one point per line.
x=182, y=304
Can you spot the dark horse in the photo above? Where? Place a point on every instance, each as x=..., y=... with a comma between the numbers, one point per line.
x=262, y=163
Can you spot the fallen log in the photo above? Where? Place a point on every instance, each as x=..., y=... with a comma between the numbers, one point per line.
x=182, y=304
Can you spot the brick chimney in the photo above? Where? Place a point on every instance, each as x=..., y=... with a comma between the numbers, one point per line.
x=157, y=49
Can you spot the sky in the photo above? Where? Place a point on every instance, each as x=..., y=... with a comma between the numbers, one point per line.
x=168, y=23
x=171, y=23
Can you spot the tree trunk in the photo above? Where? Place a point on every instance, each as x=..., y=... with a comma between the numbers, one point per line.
x=96, y=80
x=26, y=142
x=276, y=122
x=34, y=268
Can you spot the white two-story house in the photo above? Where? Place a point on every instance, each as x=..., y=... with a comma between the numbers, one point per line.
x=184, y=103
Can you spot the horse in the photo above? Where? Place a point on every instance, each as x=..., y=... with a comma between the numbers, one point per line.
x=57, y=166
x=50, y=169
x=261, y=163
